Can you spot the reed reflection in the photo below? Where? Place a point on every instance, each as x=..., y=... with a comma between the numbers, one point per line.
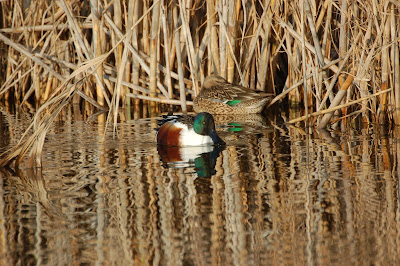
x=258, y=200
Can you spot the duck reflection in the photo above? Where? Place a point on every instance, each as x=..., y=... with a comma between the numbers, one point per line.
x=241, y=122
x=202, y=158
x=249, y=120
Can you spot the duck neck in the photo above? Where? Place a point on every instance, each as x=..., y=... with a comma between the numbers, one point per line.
x=216, y=139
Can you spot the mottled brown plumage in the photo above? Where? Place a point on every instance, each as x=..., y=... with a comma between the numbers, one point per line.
x=218, y=96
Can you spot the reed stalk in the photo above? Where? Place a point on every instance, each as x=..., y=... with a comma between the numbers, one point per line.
x=394, y=17
x=232, y=7
x=385, y=68
x=223, y=21
x=213, y=55
x=166, y=51
x=336, y=101
x=154, y=42
x=97, y=47
x=160, y=51
x=330, y=110
x=178, y=57
x=133, y=11
x=343, y=33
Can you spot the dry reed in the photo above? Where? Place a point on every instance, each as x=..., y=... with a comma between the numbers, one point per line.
x=301, y=50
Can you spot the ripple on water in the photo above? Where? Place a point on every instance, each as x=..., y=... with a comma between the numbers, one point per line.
x=272, y=194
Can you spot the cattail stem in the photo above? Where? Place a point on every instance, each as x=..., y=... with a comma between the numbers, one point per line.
x=336, y=101
x=154, y=54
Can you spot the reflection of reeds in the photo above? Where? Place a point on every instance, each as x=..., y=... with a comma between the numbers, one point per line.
x=266, y=202
x=160, y=51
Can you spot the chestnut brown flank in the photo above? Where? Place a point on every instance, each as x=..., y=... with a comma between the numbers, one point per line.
x=168, y=134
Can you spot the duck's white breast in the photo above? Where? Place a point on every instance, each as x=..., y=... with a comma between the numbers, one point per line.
x=190, y=138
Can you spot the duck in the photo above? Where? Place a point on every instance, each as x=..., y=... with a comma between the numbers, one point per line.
x=202, y=158
x=188, y=130
x=218, y=96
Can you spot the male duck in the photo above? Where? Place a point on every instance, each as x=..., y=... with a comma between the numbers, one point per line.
x=188, y=131
x=221, y=97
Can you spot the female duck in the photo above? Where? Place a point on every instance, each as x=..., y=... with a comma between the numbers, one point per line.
x=218, y=96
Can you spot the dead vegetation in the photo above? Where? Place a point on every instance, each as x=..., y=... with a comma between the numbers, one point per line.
x=324, y=55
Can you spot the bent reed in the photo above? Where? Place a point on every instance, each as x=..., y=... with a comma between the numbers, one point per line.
x=331, y=57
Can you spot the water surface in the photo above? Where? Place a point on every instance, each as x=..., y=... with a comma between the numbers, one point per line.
x=274, y=195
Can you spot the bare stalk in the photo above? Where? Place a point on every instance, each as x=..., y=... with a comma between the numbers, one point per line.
x=385, y=66
x=189, y=45
x=223, y=21
x=182, y=93
x=97, y=47
x=343, y=33
x=134, y=9
x=154, y=38
x=396, y=64
x=213, y=55
x=232, y=39
x=333, y=109
x=336, y=101
x=166, y=50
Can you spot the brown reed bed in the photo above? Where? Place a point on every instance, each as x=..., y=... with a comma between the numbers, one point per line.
x=332, y=57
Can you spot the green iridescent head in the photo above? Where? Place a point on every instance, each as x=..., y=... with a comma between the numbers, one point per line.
x=204, y=125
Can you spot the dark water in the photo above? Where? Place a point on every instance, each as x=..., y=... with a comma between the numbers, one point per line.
x=275, y=195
